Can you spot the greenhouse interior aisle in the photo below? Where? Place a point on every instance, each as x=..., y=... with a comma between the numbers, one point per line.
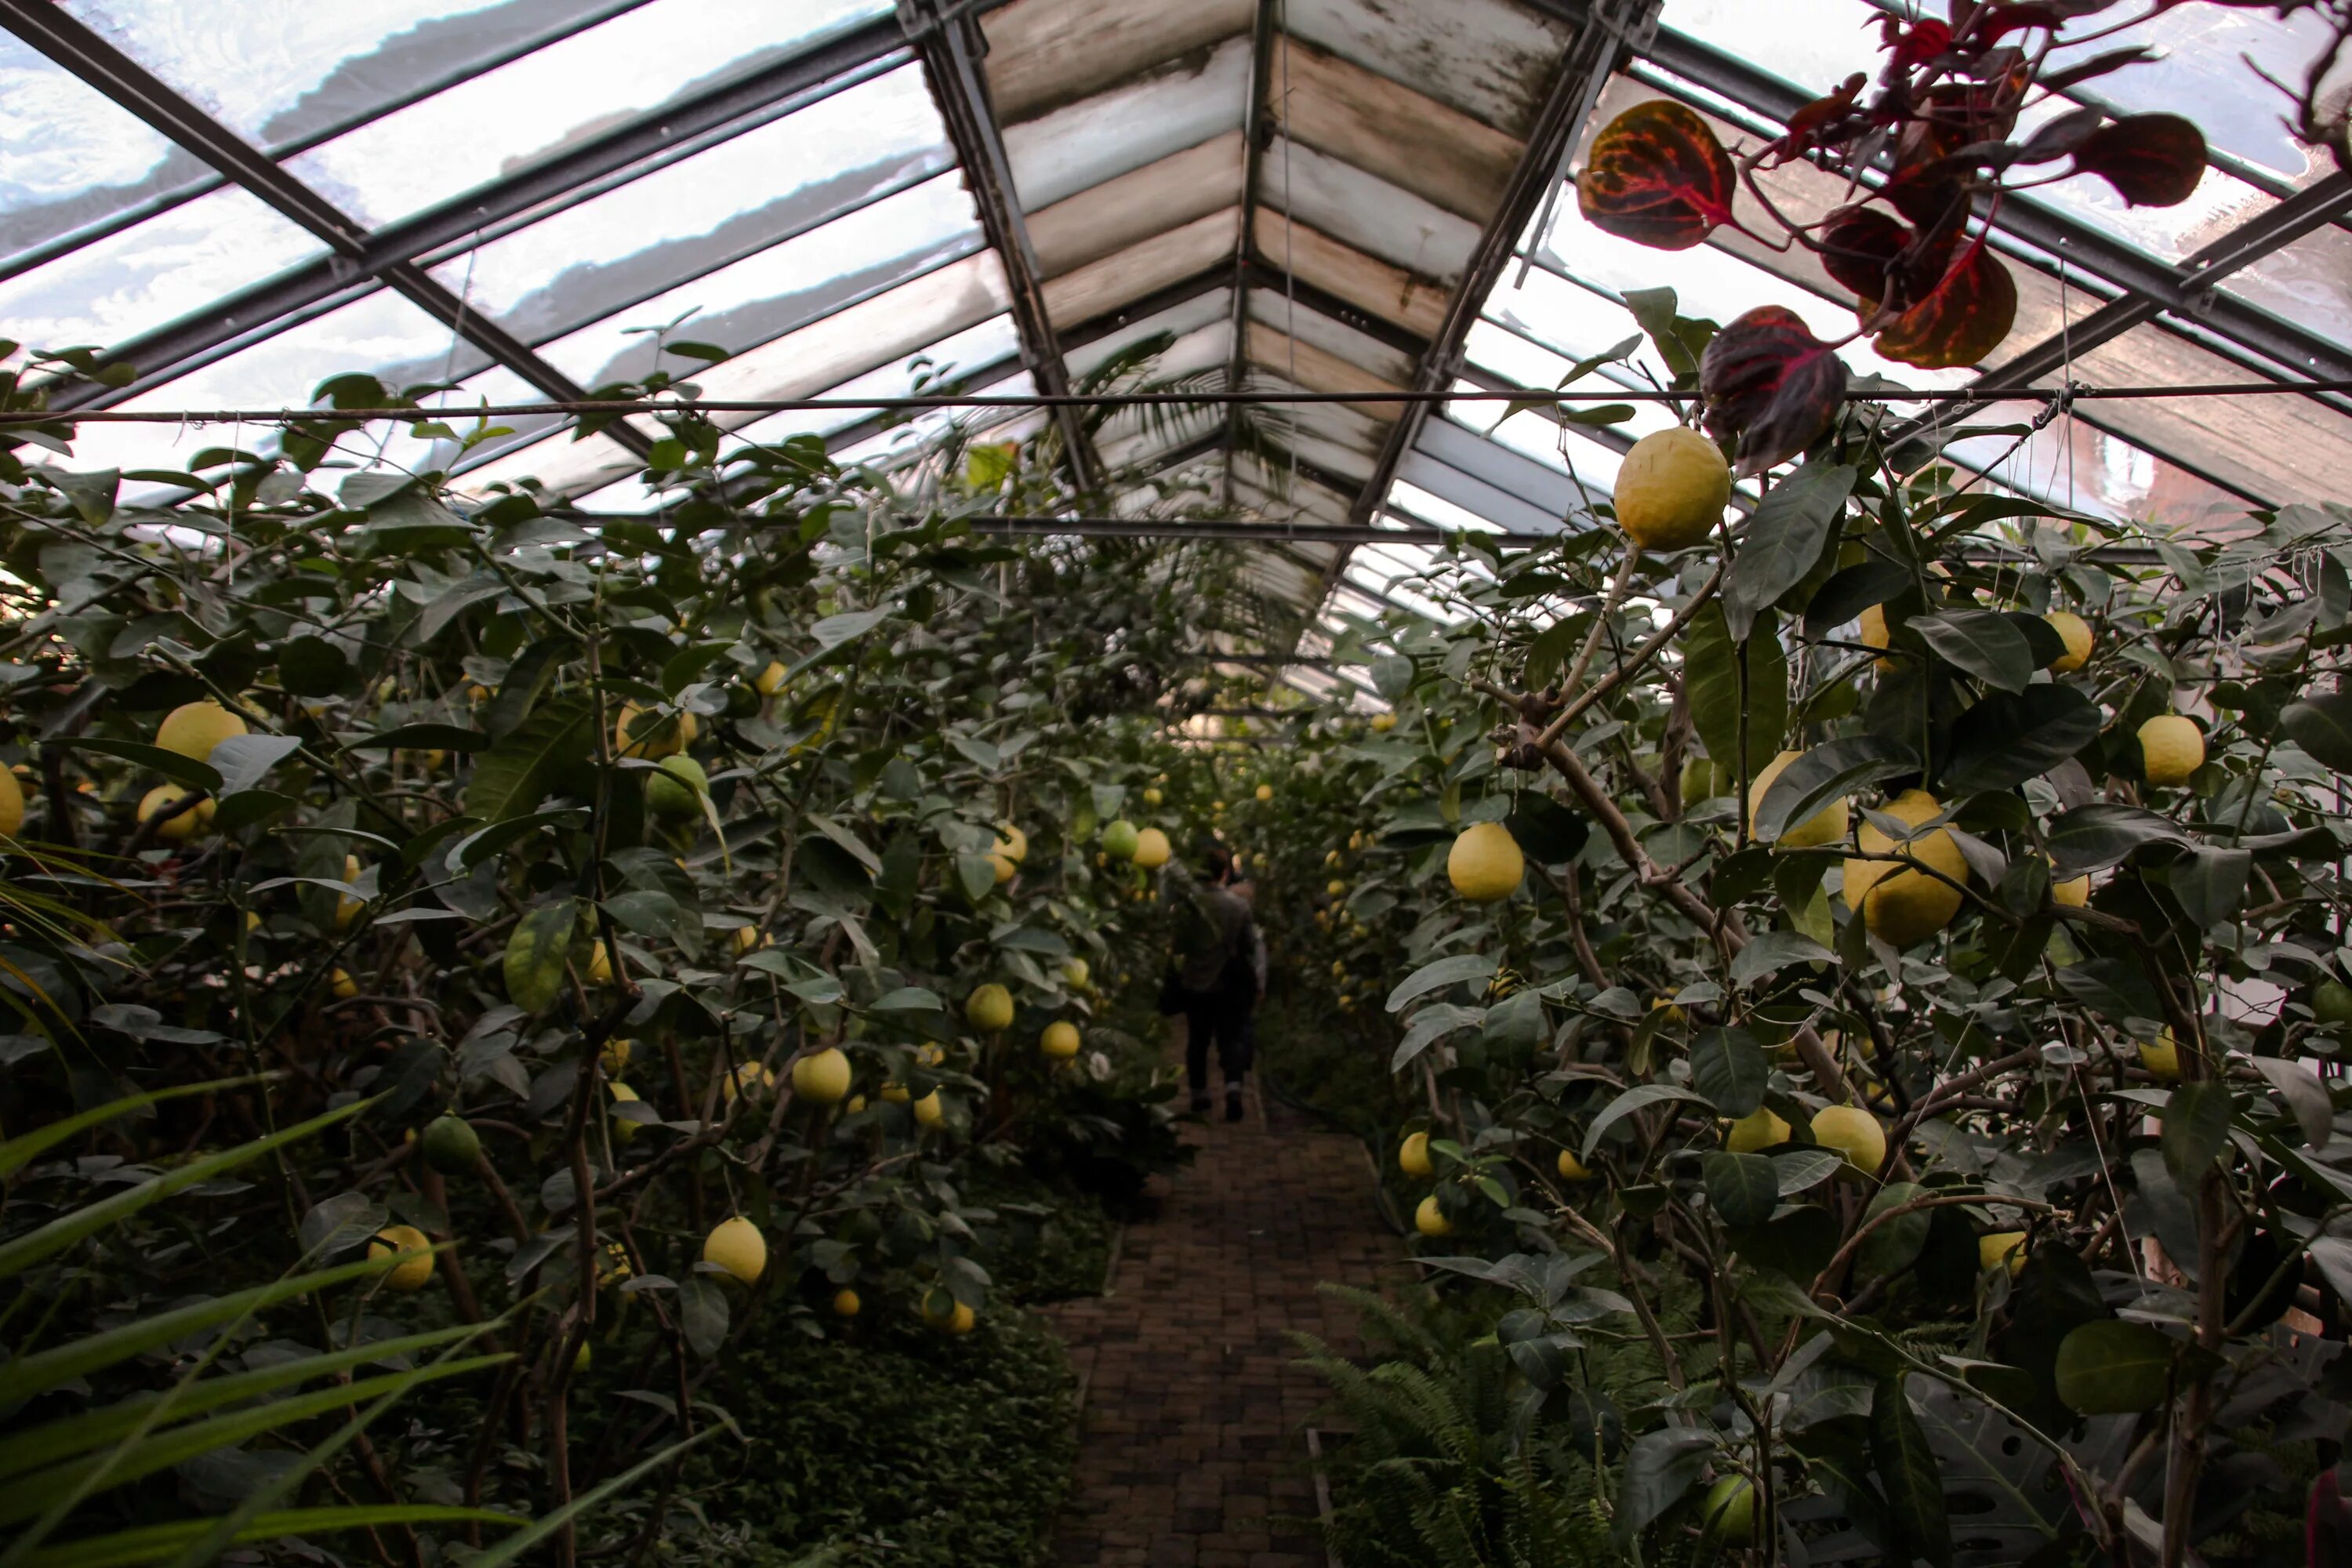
x=1191, y=1448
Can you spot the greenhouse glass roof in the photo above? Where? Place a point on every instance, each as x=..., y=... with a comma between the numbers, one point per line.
x=529, y=199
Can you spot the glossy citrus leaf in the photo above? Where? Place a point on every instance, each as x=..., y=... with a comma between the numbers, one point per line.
x=1657, y=175
x=2152, y=159
x=1961, y=321
x=1769, y=381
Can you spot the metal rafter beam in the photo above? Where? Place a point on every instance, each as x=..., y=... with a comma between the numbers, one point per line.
x=627, y=150
x=1257, y=130
x=1591, y=56
x=92, y=58
x=949, y=53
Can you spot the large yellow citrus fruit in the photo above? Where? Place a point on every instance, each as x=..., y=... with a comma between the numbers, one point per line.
x=2161, y=1056
x=1730, y=1510
x=2171, y=749
x=1826, y=826
x=1672, y=489
x=1854, y=1133
x=2076, y=633
x=1873, y=633
x=1906, y=906
x=675, y=790
x=1485, y=864
x=639, y=733
x=989, y=1008
x=12, y=804
x=770, y=680
x=1265, y=791
x=1760, y=1128
x=959, y=1321
x=615, y=1057
x=2001, y=1248
x=342, y=983
x=1075, y=973
x=845, y=1303
x=347, y=908
x=1011, y=843
x=416, y=1268
x=623, y=1128
x=1151, y=849
x=194, y=729
x=2073, y=893
x=822, y=1078
x=1430, y=1219
x=1151, y=797
x=1003, y=866
x=1412, y=1156
x=736, y=1246
x=931, y=1111
x=1120, y=841
x=1383, y=722
x=1060, y=1040
x=600, y=964
x=1570, y=1168
x=192, y=822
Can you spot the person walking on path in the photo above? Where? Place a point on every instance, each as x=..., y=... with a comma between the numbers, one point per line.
x=1216, y=980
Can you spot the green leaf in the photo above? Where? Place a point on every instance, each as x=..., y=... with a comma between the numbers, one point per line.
x=422, y=738
x=1785, y=538
x=513, y=776
x=2210, y=883
x=2094, y=838
x=1894, y=1246
x=1627, y=1103
x=1767, y=953
x=2114, y=1368
x=2196, y=1130
x=522, y=1540
x=1731, y=1069
x=2321, y=723
x=1908, y=1473
x=1711, y=680
x=526, y=680
x=537, y=951
x=162, y=1542
x=1743, y=1189
x=1826, y=773
x=1982, y=643
x=1437, y=976
x=1550, y=832
x=18, y=1152
x=171, y=764
x=2010, y=737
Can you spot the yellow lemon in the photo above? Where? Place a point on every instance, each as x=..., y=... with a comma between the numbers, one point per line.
x=2161, y=1056
x=856, y=1103
x=640, y=733
x=1335, y=887
x=2073, y=893
x=580, y=1362
x=1430, y=1219
x=845, y=1303
x=930, y=1111
x=1075, y=972
x=416, y=1267
x=770, y=680
x=600, y=964
x=623, y=1129
x=1572, y=1169
x=1011, y=843
x=1152, y=847
x=958, y=1321
x=1383, y=722
x=2001, y=1248
x=2075, y=631
x=896, y=1093
x=1485, y=864
x=12, y=804
x=2171, y=749
x=1355, y=842
x=1728, y=1510
x=1826, y=826
x=1412, y=1156
x=192, y=823
x=194, y=729
x=1004, y=868
x=342, y=983
x=1873, y=633
x=822, y=1078
x=1151, y=797
x=1060, y=1040
x=736, y=1246
x=1265, y=791
x=1672, y=489
x=989, y=1008
x=347, y=908
x=615, y=1057
x=1760, y=1128
x=748, y=937
x=1900, y=905
x=1854, y=1133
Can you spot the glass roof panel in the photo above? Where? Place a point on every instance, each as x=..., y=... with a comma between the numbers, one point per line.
x=155, y=271
x=729, y=202
x=785, y=287
x=2309, y=282
x=69, y=157
x=277, y=71
x=992, y=347
x=473, y=132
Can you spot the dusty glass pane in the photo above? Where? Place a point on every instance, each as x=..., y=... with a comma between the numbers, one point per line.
x=2309, y=282
x=785, y=287
x=727, y=203
x=993, y=346
x=474, y=131
x=69, y=157
x=156, y=271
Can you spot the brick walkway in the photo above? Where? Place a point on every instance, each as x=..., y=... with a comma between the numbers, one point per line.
x=1191, y=1453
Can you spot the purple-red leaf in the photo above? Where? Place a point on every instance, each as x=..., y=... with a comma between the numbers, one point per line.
x=1862, y=248
x=1769, y=380
x=1657, y=175
x=2152, y=159
x=1959, y=321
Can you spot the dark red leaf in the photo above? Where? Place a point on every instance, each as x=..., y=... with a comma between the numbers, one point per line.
x=1808, y=125
x=1657, y=175
x=1921, y=43
x=2152, y=159
x=1862, y=248
x=1769, y=380
x=1961, y=321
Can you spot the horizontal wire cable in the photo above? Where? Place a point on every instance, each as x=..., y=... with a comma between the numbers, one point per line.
x=1970, y=394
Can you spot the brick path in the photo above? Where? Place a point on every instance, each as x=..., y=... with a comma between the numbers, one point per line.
x=1190, y=1454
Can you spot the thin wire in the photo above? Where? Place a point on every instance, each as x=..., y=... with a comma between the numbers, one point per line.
x=1289, y=241
x=1535, y=395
